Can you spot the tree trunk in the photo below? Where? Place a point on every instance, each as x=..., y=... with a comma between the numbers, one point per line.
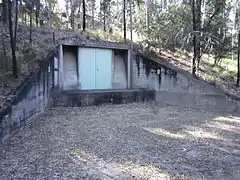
x=194, y=40
x=37, y=11
x=124, y=20
x=108, y=15
x=13, y=44
x=93, y=13
x=25, y=18
x=84, y=15
x=49, y=17
x=4, y=11
x=30, y=35
x=72, y=19
x=16, y=22
x=5, y=60
x=196, y=11
x=104, y=16
x=234, y=27
x=238, y=62
x=198, y=29
x=131, y=35
x=100, y=15
x=147, y=16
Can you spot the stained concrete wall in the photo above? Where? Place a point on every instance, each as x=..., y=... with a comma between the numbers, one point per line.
x=119, y=72
x=145, y=74
x=28, y=100
x=89, y=98
x=70, y=77
x=178, y=88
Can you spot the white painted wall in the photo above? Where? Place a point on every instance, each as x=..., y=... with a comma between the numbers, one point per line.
x=69, y=70
x=119, y=74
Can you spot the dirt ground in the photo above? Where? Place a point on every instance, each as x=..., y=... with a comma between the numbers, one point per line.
x=130, y=141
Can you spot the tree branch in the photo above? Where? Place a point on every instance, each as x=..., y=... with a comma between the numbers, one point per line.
x=211, y=18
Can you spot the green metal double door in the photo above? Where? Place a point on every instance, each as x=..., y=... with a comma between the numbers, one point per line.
x=95, y=68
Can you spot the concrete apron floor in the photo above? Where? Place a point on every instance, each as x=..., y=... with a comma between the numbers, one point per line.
x=127, y=141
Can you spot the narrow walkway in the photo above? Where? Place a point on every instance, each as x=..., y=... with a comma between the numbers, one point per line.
x=130, y=141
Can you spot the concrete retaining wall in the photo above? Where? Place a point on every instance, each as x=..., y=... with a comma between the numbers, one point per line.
x=28, y=100
x=153, y=75
x=203, y=101
x=176, y=87
x=87, y=98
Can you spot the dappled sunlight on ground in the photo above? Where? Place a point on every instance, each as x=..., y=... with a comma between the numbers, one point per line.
x=129, y=141
x=127, y=170
x=203, y=134
x=226, y=127
x=228, y=119
x=163, y=132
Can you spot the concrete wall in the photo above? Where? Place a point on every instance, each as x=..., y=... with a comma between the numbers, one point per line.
x=28, y=100
x=89, y=98
x=145, y=75
x=119, y=72
x=70, y=76
x=179, y=88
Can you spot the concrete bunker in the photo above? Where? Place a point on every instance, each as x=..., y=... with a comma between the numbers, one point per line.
x=93, y=66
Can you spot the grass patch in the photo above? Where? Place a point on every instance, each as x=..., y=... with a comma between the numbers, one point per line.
x=100, y=35
x=226, y=67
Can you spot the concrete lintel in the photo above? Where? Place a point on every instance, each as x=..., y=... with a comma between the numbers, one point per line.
x=92, y=43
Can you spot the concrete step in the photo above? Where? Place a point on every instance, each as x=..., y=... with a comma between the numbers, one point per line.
x=203, y=101
x=96, y=97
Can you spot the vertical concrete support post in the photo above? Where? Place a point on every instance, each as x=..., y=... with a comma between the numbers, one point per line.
x=60, y=65
x=55, y=71
x=129, y=70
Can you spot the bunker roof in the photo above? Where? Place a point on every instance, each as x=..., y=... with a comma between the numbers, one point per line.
x=93, y=43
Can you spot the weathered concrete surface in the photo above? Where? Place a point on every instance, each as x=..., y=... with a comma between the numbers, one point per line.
x=70, y=80
x=178, y=88
x=217, y=102
x=119, y=72
x=145, y=75
x=28, y=100
x=92, y=43
x=97, y=97
x=130, y=141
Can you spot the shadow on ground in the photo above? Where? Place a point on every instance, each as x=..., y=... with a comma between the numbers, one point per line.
x=130, y=141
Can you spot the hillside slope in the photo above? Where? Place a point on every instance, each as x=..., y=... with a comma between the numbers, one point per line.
x=29, y=54
x=43, y=42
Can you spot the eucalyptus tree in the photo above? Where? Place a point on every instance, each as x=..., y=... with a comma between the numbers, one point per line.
x=105, y=10
x=124, y=21
x=4, y=12
x=91, y=8
x=12, y=37
x=29, y=5
x=196, y=14
x=84, y=15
